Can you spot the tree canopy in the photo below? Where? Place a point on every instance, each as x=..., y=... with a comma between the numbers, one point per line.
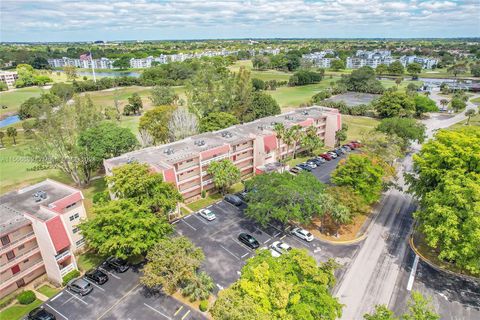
x=424, y=104
x=446, y=180
x=217, y=120
x=224, y=173
x=394, y=104
x=289, y=287
x=407, y=129
x=163, y=95
x=362, y=80
x=155, y=122
x=262, y=105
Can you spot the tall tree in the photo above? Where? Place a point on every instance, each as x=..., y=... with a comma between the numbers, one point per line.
x=381, y=69
x=394, y=104
x=12, y=133
x=123, y=229
x=457, y=69
x=2, y=135
x=163, y=95
x=310, y=140
x=57, y=135
x=156, y=121
x=407, y=129
x=182, y=124
x=424, y=104
x=224, y=173
x=137, y=182
x=261, y=105
x=134, y=106
x=70, y=72
x=171, y=263
x=199, y=287
x=396, y=67
x=62, y=90
x=341, y=135
x=216, y=121
x=470, y=113
x=414, y=69
x=294, y=134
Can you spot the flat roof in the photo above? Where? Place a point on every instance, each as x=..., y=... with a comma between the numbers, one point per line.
x=13, y=205
x=162, y=157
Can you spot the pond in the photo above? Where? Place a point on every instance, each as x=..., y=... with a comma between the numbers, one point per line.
x=9, y=120
x=108, y=73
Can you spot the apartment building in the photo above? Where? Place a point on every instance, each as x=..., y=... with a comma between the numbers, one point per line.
x=9, y=78
x=426, y=63
x=102, y=63
x=39, y=233
x=369, y=58
x=251, y=147
x=318, y=58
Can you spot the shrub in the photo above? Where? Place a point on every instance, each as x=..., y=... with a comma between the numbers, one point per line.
x=203, y=305
x=322, y=95
x=101, y=197
x=204, y=194
x=69, y=276
x=26, y=297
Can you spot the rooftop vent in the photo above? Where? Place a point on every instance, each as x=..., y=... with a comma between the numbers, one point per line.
x=288, y=117
x=305, y=112
x=199, y=143
x=260, y=128
x=227, y=134
x=39, y=196
x=168, y=151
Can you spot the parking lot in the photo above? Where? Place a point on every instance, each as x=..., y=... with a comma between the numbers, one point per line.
x=121, y=297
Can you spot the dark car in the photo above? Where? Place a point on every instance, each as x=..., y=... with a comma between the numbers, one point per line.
x=249, y=240
x=96, y=276
x=317, y=161
x=295, y=170
x=80, y=286
x=40, y=314
x=338, y=151
x=233, y=199
x=242, y=195
x=305, y=167
x=346, y=148
x=326, y=156
x=116, y=264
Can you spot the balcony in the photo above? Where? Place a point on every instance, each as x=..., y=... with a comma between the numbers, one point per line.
x=22, y=273
x=217, y=158
x=181, y=169
x=27, y=237
x=20, y=257
x=62, y=255
x=67, y=269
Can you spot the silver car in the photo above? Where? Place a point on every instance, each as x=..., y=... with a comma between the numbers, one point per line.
x=280, y=247
x=303, y=234
x=80, y=286
x=207, y=214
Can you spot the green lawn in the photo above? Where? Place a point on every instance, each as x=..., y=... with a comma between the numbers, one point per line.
x=403, y=85
x=18, y=311
x=47, y=290
x=13, y=99
x=475, y=100
x=89, y=260
x=358, y=125
x=474, y=121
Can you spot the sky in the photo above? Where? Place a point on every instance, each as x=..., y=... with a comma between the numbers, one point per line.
x=90, y=20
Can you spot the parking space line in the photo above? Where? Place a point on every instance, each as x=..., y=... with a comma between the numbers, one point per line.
x=188, y=224
x=267, y=241
x=186, y=314
x=119, y=300
x=178, y=311
x=78, y=298
x=159, y=312
x=113, y=275
x=301, y=242
x=200, y=219
x=56, y=311
x=244, y=246
x=58, y=295
x=95, y=285
x=225, y=227
x=246, y=254
x=283, y=237
x=230, y=252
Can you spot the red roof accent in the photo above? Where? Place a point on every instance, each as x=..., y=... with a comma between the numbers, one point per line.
x=169, y=176
x=205, y=155
x=339, y=121
x=57, y=233
x=270, y=143
x=59, y=205
x=306, y=123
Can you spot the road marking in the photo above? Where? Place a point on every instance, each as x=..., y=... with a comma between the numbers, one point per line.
x=411, y=279
x=219, y=286
x=112, y=274
x=159, y=312
x=178, y=311
x=188, y=224
x=186, y=314
x=208, y=207
x=58, y=295
x=78, y=298
x=175, y=222
x=230, y=252
x=246, y=254
x=224, y=227
x=301, y=242
x=243, y=245
x=93, y=284
x=283, y=237
x=67, y=301
x=56, y=311
x=267, y=241
x=202, y=220
x=118, y=301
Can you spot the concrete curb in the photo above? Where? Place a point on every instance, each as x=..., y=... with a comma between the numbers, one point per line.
x=438, y=268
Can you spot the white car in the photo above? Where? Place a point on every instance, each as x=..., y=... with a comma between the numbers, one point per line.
x=333, y=154
x=207, y=214
x=280, y=247
x=303, y=234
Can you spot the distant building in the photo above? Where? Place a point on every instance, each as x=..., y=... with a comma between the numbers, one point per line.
x=9, y=78
x=426, y=63
x=39, y=233
x=318, y=58
x=369, y=58
x=102, y=63
x=253, y=147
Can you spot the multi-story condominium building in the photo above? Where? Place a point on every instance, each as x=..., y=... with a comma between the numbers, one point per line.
x=141, y=63
x=426, y=63
x=39, y=233
x=318, y=58
x=9, y=78
x=102, y=63
x=369, y=58
x=250, y=146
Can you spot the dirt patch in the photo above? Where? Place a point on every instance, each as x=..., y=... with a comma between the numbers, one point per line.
x=354, y=98
x=195, y=305
x=345, y=233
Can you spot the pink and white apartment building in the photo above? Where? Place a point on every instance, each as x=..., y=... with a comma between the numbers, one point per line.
x=252, y=147
x=39, y=233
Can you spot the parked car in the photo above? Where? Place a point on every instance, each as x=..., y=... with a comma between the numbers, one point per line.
x=233, y=199
x=326, y=156
x=338, y=151
x=302, y=234
x=295, y=170
x=80, y=286
x=305, y=167
x=207, y=214
x=40, y=314
x=318, y=161
x=242, y=195
x=333, y=154
x=280, y=247
x=346, y=148
x=97, y=276
x=351, y=145
x=119, y=265
x=248, y=240
x=312, y=164
x=357, y=144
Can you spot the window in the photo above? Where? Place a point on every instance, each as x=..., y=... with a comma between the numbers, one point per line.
x=21, y=247
x=70, y=205
x=15, y=269
x=5, y=240
x=10, y=255
x=26, y=260
x=75, y=230
x=75, y=216
x=80, y=242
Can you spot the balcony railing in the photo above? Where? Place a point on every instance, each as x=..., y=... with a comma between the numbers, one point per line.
x=22, y=274
x=22, y=256
x=62, y=255
x=18, y=241
x=217, y=158
x=67, y=269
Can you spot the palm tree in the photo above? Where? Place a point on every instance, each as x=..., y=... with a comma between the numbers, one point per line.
x=398, y=81
x=427, y=93
x=296, y=137
x=12, y=132
x=280, y=132
x=340, y=215
x=444, y=103
x=198, y=288
x=469, y=114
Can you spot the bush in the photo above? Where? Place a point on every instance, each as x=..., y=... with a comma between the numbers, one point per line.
x=101, y=197
x=69, y=276
x=203, y=305
x=322, y=95
x=304, y=77
x=26, y=297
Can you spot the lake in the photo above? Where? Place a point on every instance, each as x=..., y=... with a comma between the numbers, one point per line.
x=108, y=73
x=9, y=120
